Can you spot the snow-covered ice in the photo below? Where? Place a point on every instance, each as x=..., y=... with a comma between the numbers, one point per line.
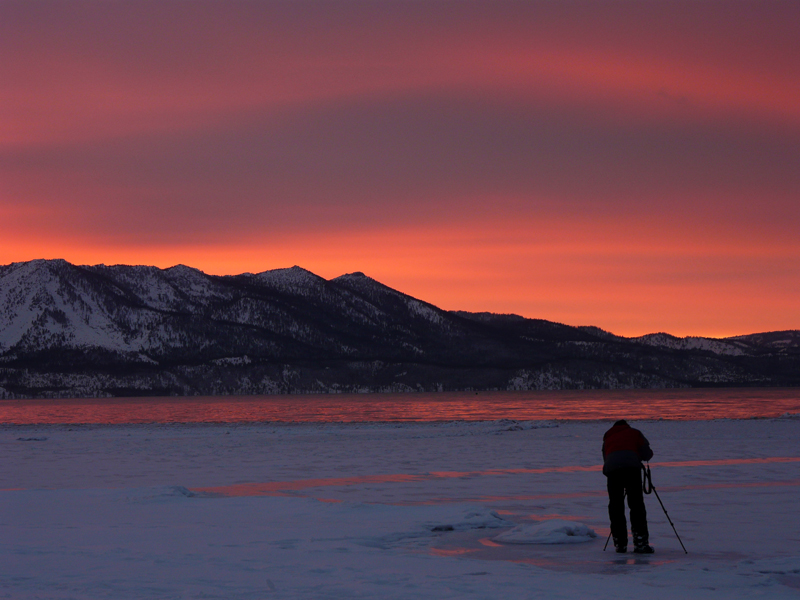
x=395, y=511
x=552, y=531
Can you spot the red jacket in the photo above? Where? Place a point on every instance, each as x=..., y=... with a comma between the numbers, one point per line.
x=624, y=446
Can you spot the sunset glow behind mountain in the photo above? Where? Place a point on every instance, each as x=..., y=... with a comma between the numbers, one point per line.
x=629, y=165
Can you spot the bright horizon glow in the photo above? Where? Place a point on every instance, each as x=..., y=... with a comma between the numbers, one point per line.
x=630, y=165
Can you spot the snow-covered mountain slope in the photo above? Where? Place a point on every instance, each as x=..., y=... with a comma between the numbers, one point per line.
x=781, y=342
x=94, y=330
x=382, y=295
x=52, y=303
x=775, y=342
x=294, y=280
x=730, y=347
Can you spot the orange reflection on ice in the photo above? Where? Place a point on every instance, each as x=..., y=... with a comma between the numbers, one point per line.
x=675, y=488
x=282, y=488
x=279, y=488
x=452, y=551
x=720, y=486
x=567, y=469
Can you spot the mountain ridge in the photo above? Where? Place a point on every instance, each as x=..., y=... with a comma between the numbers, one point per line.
x=114, y=330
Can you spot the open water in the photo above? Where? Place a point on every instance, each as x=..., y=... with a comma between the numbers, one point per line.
x=671, y=404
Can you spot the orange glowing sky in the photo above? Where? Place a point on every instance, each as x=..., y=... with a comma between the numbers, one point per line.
x=630, y=165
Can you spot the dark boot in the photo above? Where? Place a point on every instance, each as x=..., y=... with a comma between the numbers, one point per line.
x=641, y=544
x=621, y=544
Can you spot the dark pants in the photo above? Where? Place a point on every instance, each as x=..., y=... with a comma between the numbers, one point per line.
x=621, y=483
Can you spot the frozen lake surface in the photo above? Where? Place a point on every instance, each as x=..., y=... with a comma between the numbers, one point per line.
x=391, y=510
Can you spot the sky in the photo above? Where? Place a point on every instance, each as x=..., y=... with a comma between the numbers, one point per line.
x=629, y=165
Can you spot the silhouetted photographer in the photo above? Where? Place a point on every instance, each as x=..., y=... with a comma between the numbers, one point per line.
x=624, y=449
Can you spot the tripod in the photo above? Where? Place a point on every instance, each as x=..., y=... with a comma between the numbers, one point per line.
x=649, y=488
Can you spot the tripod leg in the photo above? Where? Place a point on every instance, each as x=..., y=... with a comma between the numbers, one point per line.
x=685, y=551
x=609, y=533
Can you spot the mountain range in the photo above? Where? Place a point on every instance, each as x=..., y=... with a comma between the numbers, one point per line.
x=93, y=331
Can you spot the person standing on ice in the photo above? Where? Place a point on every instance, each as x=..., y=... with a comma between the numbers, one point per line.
x=624, y=449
